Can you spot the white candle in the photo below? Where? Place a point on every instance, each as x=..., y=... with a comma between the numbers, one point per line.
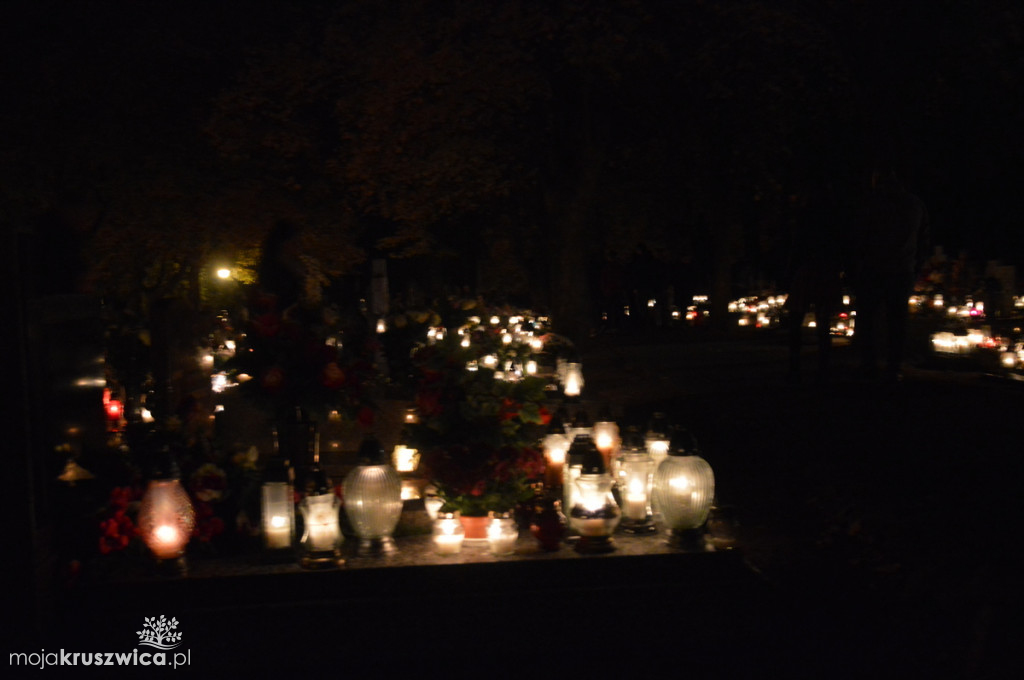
x=278, y=532
x=635, y=506
x=447, y=544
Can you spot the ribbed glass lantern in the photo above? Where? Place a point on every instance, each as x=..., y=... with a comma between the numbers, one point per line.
x=684, y=488
x=166, y=517
x=594, y=513
x=373, y=499
x=634, y=474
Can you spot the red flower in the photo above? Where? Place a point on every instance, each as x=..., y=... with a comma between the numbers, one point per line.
x=116, y=532
x=509, y=409
x=545, y=416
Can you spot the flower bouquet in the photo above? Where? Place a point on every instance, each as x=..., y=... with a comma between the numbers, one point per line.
x=475, y=424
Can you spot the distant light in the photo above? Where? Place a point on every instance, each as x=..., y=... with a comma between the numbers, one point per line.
x=223, y=273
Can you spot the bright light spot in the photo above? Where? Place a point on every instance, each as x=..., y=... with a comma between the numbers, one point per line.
x=223, y=273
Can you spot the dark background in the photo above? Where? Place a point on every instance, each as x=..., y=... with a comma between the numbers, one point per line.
x=541, y=139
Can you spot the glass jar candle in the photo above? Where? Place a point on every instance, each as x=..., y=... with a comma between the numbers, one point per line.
x=502, y=533
x=448, y=533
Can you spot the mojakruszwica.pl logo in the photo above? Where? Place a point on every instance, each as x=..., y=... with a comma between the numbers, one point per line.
x=158, y=633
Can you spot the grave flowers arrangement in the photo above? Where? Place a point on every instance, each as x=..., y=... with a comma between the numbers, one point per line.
x=476, y=428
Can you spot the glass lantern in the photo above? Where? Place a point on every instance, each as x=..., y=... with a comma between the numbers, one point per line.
x=373, y=499
x=166, y=517
x=684, y=487
x=277, y=504
x=448, y=533
x=555, y=445
x=321, y=536
x=580, y=446
x=658, y=437
x=606, y=437
x=572, y=384
x=432, y=503
x=594, y=513
x=634, y=474
x=405, y=459
x=580, y=425
x=502, y=533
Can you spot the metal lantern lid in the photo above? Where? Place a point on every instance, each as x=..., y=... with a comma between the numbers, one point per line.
x=593, y=461
x=580, y=445
x=581, y=420
x=371, y=452
x=683, y=443
x=163, y=461
x=317, y=483
x=556, y=426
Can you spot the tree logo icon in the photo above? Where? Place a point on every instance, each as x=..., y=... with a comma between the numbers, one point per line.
x=159, y=633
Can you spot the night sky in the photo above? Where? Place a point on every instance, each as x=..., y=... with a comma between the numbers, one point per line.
x=95, y=88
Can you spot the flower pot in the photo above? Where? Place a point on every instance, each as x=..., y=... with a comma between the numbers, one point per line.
x=476, y=527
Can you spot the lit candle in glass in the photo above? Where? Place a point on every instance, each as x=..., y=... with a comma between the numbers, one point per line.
x=684, y=487
x=572, y=386
x=448, y=533
x=166, y=517
x=278, y=502
x=373, y=499
x=594, y=514
x=555, y=446
x=321, y=539
x=657, y=437
x=405, y=459
x=634, y=472
x=502, y=533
